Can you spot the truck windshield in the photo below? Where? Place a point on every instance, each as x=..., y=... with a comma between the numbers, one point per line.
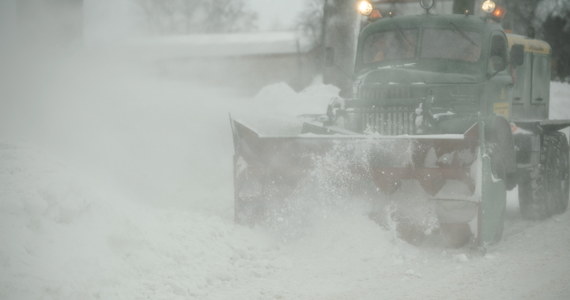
x=401, y=45
x=452, y=44
x=390, y=45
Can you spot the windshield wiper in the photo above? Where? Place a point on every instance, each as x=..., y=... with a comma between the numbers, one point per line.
x=463, y=34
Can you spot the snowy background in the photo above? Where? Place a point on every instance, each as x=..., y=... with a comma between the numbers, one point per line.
x=112, y=20
x=116, y=183
x=120, y=186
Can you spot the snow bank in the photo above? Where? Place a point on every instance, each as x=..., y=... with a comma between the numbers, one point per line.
x=559, y=99
x=281, y=100
x=65, y=240
x=73, y=237
x=120, y=187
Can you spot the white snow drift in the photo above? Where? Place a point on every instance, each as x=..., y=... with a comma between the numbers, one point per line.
x=116, y=183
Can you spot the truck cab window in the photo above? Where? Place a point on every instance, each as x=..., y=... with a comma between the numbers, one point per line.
x=498, y=54
x=464, y=45
x=499, y=47
x=390, y=45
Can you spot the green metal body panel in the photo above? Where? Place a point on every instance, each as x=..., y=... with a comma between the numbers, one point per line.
x=493, y=203
x=531, y=87
x=492, y=207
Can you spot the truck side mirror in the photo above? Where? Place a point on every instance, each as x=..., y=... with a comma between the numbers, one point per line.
x=517, y=55
x=329, y=56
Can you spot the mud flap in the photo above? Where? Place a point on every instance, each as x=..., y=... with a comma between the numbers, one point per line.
x=490, y=220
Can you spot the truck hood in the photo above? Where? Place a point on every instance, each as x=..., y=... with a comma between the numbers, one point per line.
x=404, y=75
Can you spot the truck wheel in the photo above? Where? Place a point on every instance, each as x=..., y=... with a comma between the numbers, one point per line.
x=544, y=190
x=501, y=149
x=561, y=172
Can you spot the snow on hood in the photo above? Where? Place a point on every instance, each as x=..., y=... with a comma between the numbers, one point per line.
x=281, y=99
x=274, y=110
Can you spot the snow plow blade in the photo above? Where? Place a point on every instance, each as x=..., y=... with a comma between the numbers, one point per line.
x=270, y=162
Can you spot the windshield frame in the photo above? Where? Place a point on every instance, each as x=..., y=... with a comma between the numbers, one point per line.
x=436, y=64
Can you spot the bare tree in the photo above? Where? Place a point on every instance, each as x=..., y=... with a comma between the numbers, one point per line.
x=332, y=26
x=196, y=16
x=310, y=21
x=521, y=16
x=227, y=16
x=553, y=18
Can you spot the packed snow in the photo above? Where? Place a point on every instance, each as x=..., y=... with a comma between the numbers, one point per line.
x=116, y=183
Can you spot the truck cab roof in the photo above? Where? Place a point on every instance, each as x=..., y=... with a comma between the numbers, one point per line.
x=462, y=21
x=530, y=45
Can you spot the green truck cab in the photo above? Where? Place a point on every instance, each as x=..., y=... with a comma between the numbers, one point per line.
x=441, y=74
x=454, y=68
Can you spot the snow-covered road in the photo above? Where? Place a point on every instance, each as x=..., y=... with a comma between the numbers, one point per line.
x=116, y=183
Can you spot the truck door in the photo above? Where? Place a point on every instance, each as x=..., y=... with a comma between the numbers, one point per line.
x=531, y=89
x=540, y=88
x=521, y=89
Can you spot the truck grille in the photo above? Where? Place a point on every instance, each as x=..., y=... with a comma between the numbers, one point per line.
x=385, y=92
x=390, y=120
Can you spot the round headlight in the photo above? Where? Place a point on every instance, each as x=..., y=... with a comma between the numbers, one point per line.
x=364, y=7
x=488, y=6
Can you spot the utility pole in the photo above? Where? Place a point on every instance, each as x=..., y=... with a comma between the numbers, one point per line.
x=340, y=31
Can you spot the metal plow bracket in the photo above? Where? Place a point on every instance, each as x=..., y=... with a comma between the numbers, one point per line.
x=492, y=206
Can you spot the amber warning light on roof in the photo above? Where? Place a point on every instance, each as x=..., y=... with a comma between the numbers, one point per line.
x=499, y=13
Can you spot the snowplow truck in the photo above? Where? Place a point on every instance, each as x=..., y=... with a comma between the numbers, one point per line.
x=449, y=104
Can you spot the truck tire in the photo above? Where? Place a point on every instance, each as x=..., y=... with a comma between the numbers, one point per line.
x=562, y=169
x=501, y=149
x=543, y=191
